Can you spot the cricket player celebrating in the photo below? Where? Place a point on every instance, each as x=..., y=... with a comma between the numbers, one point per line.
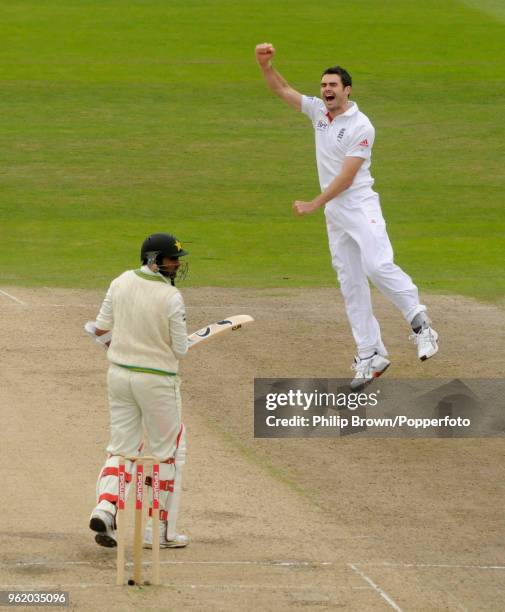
x=146, y=313
x=358, y=240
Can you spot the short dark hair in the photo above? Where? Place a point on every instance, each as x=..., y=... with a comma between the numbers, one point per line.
x=345, y=77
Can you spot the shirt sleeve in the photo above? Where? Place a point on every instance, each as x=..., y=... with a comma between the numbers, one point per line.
x=362, y=142
x=105, y=318
x=177, y=322
x=310, y=107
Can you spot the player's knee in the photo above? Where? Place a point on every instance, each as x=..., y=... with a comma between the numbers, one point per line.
x=375, y=270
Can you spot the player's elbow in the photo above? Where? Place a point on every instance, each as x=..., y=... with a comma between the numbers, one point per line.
x=282, y=91
x=348, y=175
x=347, y=181
x=279, y=91
x=181, y=350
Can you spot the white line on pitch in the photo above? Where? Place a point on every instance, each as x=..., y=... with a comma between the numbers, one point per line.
x=265, y=563
x=15, y=299
x=434, y=565
x=261, y=563
x=376, y=587
x=86, y=585
x=228, y=306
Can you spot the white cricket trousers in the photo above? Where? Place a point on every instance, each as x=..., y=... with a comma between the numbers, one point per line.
x=360, y=250
x=138, y=400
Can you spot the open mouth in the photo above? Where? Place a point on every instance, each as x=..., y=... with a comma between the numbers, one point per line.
x=329, y=98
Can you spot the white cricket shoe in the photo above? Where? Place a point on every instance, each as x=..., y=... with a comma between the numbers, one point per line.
x=105, y=526
x=426, y=341
x=179, y=541
x=366, y=370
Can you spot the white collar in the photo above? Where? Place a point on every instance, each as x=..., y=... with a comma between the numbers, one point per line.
x=147, y=270
x=351, y=110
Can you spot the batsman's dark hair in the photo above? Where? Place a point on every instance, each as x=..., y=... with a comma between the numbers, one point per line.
x=345, y=77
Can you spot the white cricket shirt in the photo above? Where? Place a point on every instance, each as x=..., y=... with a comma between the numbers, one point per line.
x=348, y=135
x=148, y=320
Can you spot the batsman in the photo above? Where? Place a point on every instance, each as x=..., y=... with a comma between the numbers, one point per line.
x=357, y=236
x=147, y=315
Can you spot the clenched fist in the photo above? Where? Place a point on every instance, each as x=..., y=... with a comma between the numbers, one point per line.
x=264, y=53
x=304, y=208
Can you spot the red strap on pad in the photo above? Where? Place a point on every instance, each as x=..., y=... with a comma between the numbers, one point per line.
x=108, y=497
x=163, y=514
x=114, y=471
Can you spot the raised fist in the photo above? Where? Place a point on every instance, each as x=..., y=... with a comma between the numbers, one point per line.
x=264, y=53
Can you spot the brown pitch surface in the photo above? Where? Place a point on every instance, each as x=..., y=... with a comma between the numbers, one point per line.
x=274, y=524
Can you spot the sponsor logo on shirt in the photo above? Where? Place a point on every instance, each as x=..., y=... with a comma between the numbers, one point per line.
x=363, y=143
x=322, y=125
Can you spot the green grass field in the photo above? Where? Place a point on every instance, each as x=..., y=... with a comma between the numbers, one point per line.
x=119, y=119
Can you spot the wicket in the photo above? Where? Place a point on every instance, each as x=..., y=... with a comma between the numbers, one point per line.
x=138, y=534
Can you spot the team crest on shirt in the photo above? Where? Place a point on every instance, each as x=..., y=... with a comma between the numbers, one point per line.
x=322, y=125
x=341, y=134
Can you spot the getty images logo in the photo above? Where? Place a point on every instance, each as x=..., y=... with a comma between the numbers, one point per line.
x=296, y=398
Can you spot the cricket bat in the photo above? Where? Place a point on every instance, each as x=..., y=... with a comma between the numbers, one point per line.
x=201, y=335
x=211, y=331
